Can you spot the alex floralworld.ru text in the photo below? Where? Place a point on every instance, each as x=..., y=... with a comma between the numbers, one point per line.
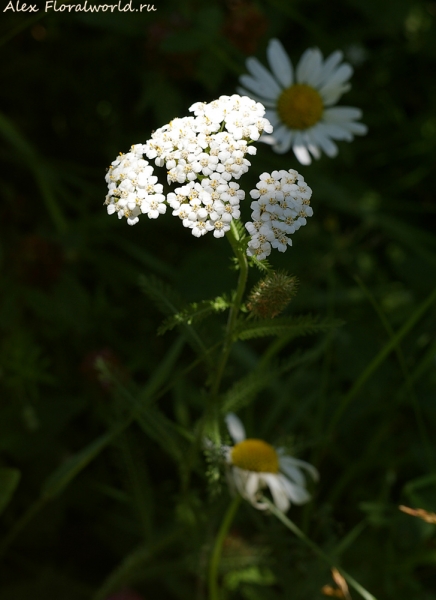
x=79, y=7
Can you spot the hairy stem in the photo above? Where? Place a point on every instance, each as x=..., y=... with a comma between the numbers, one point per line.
x=233, y=238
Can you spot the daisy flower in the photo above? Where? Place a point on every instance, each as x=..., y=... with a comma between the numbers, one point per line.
x=255, y=465
x=300, y=105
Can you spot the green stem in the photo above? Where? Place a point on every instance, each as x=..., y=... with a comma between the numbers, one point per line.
x=303, y=537
x=234, y=241
x=218, y=547
x=233, y=238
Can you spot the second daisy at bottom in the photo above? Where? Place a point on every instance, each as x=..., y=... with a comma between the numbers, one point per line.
x=254, y=465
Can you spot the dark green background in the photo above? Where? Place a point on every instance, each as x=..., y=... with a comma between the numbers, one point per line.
x=76, y=90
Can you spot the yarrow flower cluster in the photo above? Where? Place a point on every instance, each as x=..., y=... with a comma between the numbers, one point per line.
x=254, y=465
x=205, y=154
x=300, y=105
x=133, y=189
x=280, y=207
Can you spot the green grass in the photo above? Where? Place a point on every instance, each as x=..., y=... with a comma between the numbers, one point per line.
x=103, y=481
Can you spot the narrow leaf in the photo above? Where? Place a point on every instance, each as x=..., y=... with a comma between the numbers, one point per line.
x=381, y=357
x=9, y=480
x=64, y=474
x=36, y=165
x=163, y=431
x=163, y=371
x=245, y=390
x=297, y=326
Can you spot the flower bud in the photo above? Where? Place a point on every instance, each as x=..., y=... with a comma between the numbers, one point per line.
x=271, y=295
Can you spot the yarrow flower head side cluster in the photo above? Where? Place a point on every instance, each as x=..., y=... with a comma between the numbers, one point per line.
x=281, y=204
x=133, y=189
x=204, y=154
x=254, y=465
x=300, y=105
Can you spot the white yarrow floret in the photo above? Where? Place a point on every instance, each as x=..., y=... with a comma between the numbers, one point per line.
x=204, y=154
x=132, y=187
x=281, y=203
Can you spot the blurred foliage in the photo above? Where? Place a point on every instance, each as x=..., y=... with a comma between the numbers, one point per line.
x=100, y=488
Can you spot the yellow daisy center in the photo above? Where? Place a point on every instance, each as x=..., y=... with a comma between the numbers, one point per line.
x=255, y=455
x=300, y=106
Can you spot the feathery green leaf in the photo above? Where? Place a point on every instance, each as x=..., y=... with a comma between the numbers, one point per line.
x=303, y=325
x=194, y=312
x=169, y=302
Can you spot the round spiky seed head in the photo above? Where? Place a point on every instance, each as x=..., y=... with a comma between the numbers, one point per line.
x=271, y=295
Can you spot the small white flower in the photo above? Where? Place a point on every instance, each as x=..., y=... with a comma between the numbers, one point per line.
x=279, y=209
x=204, y=154
x=300, y=105
x=132, y=187
x=254, y=465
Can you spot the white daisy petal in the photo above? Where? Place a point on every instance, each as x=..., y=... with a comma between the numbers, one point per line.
x=300, y=150
x=305, y=465
x=235, y=427
x=340, y=76
x=356, y=128
x=314, y=150
x=342, y=113
x=308, y=121
x=240, y=480
x=292, y=472
x=252, y=485
x=264, y=101
x=302, y=154
x=314, y=69
x=337, y=132
x=296, y=493
x=279, y=62
x=331, y=95
x=311, y=144
x=303, y=67
x=282, y=139
x=272, y=117
x=278, y=491
x=262, y=75
x=268, y=139
x=330, y=65
x=259, y=87
x=326, y=144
